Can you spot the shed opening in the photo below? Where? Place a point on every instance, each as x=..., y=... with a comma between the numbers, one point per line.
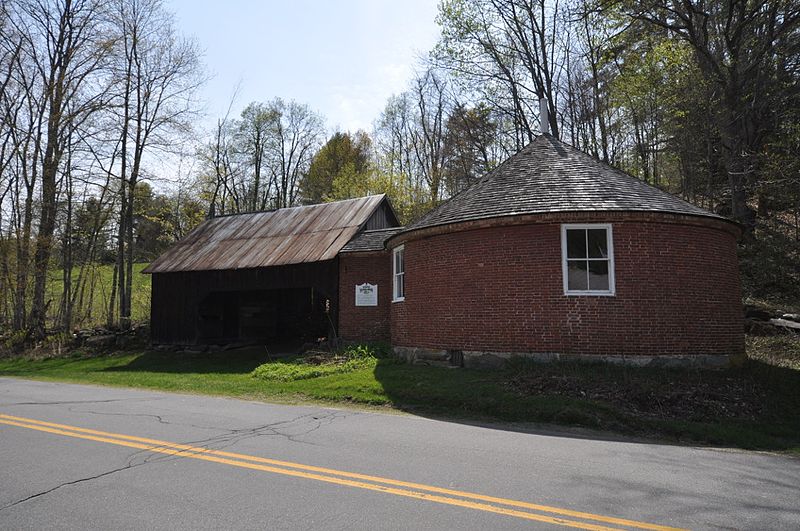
x=264, y=316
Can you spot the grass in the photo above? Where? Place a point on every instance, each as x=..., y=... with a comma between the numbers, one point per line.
x=578, y=397
x=319, y=364
x=778, y=351
x=99, y=277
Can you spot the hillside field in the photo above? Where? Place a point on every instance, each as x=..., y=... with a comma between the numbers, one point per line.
x=92, y=308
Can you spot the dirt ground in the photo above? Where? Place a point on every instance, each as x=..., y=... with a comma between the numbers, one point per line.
x=697, y=396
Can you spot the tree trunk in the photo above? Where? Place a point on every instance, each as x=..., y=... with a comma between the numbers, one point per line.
x=112, y=299
x=47, y=223
x=23, y=256
x=740, y=164
x=47, y=219
x=125, y=307
x=66, y=314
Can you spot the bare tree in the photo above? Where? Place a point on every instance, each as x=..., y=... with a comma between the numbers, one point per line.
x=23, y=114
x=411, y=137
x=392, y=132
x=433, y=108
x=65, y=47
x=508, y=51
x=157, y=74
x=296, y=133
x=253, y=136
x=221, y=172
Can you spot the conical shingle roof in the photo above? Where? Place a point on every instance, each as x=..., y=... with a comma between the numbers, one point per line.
x=549, y=176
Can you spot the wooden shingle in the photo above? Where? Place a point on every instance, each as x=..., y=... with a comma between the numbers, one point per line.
x=550, y=176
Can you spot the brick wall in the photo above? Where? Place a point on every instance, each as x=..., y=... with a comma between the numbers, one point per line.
x=500, y=289
x=364, y=323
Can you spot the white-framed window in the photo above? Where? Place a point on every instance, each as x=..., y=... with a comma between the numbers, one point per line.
x=398, y=274
x=587, y=259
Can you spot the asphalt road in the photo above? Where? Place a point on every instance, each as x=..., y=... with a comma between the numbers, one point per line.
x=84, y=457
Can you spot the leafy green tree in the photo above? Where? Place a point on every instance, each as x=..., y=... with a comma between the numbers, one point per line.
x=344, y=168
x=738, y=47
x=649, y=93
x=152, y=230
x=90, y=230
x=344, y=158
x=161, y=219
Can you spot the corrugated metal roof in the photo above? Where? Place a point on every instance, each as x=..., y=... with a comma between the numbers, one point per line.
x=550, y=176
x=262, y=239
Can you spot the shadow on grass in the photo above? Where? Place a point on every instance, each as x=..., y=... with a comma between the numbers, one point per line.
x=754, y=407
x=757, y=406
x=25, y=367
x=239, y=361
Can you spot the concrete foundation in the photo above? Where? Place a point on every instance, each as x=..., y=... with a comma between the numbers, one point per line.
x=495, y=360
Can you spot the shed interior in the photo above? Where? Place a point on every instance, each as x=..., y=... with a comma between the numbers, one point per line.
x=267, y=315
x=284, y=305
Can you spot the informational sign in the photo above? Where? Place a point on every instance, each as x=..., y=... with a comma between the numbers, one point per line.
x=366, y=294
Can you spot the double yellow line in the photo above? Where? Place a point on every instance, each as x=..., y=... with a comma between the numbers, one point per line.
x=469, y=500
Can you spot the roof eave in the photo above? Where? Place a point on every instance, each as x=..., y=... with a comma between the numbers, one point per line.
x=522, y=218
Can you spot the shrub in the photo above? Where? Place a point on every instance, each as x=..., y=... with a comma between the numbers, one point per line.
x=316, y=365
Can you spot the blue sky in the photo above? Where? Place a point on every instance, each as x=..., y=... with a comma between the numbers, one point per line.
x=344, y=58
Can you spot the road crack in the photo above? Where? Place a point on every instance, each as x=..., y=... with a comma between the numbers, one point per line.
x=312, y=422
x=159, y=418
x=130, y=464
x=304, y=424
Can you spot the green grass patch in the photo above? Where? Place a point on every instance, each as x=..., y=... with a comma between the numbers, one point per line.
x=317, y=364
x=289, y=372
x=757, y=406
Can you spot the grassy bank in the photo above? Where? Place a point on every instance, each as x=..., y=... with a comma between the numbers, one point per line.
x=99, y=277
x=757, y=406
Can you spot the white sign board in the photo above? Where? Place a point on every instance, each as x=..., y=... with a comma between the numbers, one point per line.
x=366, y=294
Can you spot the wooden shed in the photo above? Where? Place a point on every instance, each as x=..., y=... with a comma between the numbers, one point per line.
x=259, y=277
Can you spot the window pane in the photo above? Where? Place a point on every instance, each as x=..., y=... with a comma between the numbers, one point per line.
x=401, y=288
x=598, y=243
x=399, y=266
x=576, y=243
x=576, y=275
x=598, y=275
x=402, y=256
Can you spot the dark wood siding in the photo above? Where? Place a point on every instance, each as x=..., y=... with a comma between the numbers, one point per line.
x=382, y=218
x=176, y=296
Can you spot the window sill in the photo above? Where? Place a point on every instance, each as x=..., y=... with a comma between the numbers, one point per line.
x=589, y=294
x=399, y=299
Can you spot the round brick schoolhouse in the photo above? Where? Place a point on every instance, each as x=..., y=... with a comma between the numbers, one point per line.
x=555, y=255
